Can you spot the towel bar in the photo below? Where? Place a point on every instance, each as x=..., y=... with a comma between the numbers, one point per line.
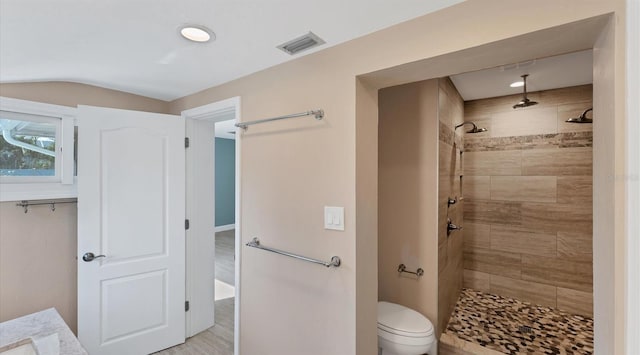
x=255, y=243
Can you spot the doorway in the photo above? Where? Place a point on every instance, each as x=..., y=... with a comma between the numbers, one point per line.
x=225, y=235
x=212, y=276
x=225, y=160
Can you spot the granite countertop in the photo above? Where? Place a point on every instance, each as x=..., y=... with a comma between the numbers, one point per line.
x=41, y=325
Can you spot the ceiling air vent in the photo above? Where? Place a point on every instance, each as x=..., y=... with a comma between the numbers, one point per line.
x=301, y=43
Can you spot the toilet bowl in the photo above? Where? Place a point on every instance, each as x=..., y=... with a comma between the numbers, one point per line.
x=403, y=331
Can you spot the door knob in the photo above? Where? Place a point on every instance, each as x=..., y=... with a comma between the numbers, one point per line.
x=91, y=256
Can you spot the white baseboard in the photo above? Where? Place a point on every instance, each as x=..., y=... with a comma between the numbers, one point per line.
x=226, y=227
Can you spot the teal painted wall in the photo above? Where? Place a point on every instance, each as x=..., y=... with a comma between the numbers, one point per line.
x=225, y=181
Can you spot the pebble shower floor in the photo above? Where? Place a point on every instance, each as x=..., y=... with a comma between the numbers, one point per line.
x=515, y=327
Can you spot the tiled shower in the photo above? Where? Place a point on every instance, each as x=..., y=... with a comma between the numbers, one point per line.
x=528, y=190
x=527, y=209
x=514, y=272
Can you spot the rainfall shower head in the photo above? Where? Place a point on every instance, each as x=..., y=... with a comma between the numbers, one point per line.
x=474, y=129
x=582, y=119
x=525, y=102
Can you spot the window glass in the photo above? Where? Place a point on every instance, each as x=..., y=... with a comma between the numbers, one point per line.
x=27, y=144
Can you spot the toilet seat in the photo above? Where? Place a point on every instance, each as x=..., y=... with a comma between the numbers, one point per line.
x=405, y=340
x=402, y=325
x=404, y=334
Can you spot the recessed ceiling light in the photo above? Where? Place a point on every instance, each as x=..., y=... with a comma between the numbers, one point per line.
x=197, y=33
x=517, y=84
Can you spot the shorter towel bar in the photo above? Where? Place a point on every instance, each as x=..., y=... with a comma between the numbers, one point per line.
x=255, y=243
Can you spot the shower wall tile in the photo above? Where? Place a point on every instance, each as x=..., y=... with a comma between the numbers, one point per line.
x=445, y=133
x=554, y=217
x=477, y=235
x=492, y=163
x=524, y=241
x=448, y=160
x=489, y=107
x=528, y=199
x=493, y=212
x=442, y=223
x=476, y=187
x=442, y=256
x=576, y=139
x=574, y=94
x=450, y=104
x=535, y=141
x=573, y=274
x=450, y=258
x=545, y=98
x=574, y=301
x=524, y=188
x=568, y=161
x=524, y=290
x=524, y=122
x=477, y=280
x=576, y=245
x=575, y=189
x=493, y=262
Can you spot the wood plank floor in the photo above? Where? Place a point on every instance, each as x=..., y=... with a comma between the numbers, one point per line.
x=217, y=340
x=225, y=257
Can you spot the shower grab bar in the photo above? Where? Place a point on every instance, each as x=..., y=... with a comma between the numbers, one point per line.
x=318, y=114
x=255, y=243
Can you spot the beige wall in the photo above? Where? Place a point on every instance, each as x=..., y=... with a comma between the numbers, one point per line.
x=291, y=169
x=327, y=79
x=408, y=195
x=609, y=193
x=73, y=94
x=450, y=114
x=38, y=261
x=418, y=170
x=528, y=199
x=38, y=249
x=366, y=216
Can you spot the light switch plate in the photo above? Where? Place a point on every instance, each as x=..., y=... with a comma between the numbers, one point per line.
x=334, y=218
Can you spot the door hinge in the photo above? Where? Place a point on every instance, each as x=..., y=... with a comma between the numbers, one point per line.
x=186, y=142
x=186, y=224
x=186, y=306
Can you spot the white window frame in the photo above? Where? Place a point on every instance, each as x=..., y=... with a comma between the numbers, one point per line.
x=63, y=184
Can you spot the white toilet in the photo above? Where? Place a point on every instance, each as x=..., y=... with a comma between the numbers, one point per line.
x=403, y=331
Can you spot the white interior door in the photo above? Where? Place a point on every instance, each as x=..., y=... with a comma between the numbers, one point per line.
x=131, y=209
x=201, y=242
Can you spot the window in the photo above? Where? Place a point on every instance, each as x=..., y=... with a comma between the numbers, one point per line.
x=28, y=145
x=36, y=150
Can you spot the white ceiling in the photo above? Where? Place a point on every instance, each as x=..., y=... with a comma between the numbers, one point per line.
x=133, y=45
x=547, y=73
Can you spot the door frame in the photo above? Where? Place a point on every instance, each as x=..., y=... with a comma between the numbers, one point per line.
x=215, y=112
x=633, y=177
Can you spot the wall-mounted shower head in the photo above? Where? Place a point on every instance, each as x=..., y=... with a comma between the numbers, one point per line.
x=525, y=102
x=582, y=119
x=474, y=129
